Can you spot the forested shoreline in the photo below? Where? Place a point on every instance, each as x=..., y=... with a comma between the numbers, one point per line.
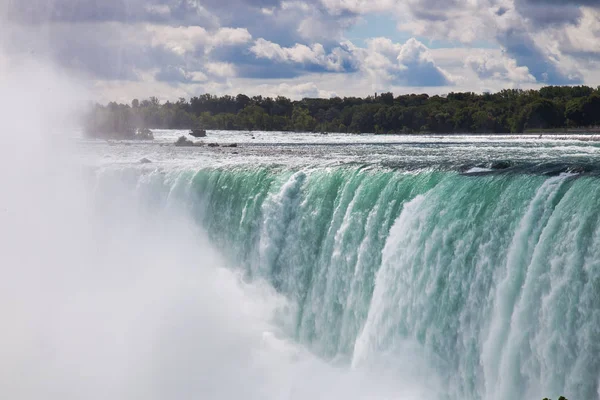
x=507, y=111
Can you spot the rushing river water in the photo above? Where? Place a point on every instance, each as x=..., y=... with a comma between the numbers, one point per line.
x=480, y=253
x=367, y=267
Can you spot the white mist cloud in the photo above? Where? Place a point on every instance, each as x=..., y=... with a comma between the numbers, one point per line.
x=110, y=294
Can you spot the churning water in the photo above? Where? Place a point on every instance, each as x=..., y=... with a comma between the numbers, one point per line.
x=432, y=267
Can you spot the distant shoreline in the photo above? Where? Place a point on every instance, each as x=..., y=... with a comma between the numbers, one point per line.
x=552, y=109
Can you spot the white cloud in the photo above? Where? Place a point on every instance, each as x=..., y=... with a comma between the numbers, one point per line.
x=295, y=91
x=186, y=39
x=264, y=49
x=211, y=44
x=385, y=47
x=308, y=21
x=267, y=11
x=230, y=36
x=527, y=30
x=162, y=10
x=221, y=70
x=462, y=21
x=198, y=76
x=300, y=54
x=314, y=27
x=337, y=7
x=411, y=63
x=295, y=5
x=583, y=37
x=173, y=74
x=414, y=52
x=487, y=66
x=382, y=61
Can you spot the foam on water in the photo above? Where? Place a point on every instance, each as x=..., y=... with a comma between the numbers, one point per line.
x=483, y=283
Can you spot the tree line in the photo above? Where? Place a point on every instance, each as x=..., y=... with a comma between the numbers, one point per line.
x=507, y=111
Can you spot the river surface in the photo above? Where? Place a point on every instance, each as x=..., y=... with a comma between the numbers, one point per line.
x=414, y=267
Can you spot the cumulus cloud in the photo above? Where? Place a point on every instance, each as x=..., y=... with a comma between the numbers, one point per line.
x=337, y=60
x=202, y=42
x=174, y=74
x=418, y=67
x=543, y=14
x=582, y=39
x=285, y=21
x=294, y=91
x=542, y=64
x=382, y=61
x=408, y=64
x=131, y=11
x=120, y=39
x=505, y=69
x=339, y=7
x=221, y=70
x=120, y=51
x=184, y=39
x=520, y=27
x=590, y=3
x=462, y=21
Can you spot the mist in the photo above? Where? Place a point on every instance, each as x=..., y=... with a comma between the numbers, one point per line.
x=107, y=295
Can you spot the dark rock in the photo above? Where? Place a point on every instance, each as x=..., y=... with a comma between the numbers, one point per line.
x=198, y=133
x=213, y=145
x=230, y=145
x=500, y=165
x=183, y=141
x=145, y=161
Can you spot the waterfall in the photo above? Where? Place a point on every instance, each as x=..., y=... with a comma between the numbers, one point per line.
x=491, y=280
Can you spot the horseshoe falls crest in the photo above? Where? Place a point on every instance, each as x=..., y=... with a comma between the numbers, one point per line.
x=486, y=282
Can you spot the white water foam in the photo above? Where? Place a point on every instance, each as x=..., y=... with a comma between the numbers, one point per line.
x=106, y=296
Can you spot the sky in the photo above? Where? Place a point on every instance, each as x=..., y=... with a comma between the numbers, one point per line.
x=125, y=49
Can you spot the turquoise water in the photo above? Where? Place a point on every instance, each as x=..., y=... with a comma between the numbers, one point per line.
x=493, y=279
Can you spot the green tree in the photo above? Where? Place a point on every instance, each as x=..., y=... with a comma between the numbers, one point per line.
x=302, y=120
x=542, y=114
x=253, y=117
x=512, y=110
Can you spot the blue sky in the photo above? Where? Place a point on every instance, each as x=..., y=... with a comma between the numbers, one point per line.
x=172, y=48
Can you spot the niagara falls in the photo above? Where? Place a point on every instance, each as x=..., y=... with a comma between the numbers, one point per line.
x=299, y=200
